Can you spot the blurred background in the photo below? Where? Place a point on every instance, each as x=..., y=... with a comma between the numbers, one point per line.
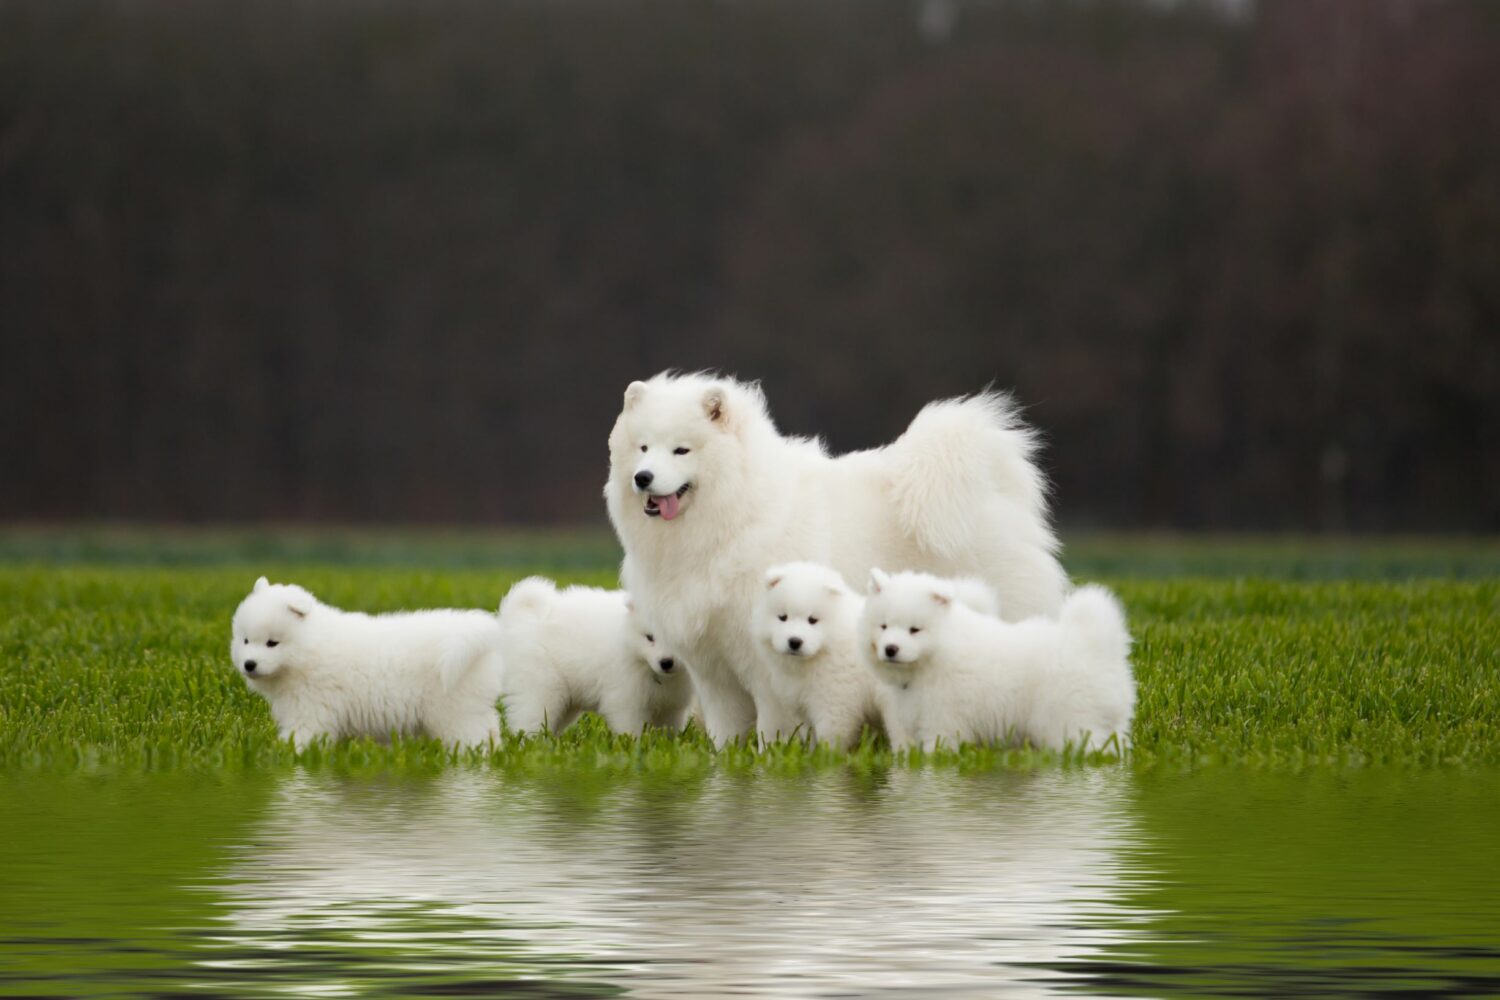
x=388, y=261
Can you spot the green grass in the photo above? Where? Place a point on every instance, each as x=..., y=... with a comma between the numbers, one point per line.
x=126, y=666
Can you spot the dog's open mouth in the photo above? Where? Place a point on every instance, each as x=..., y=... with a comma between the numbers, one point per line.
x=666, y=507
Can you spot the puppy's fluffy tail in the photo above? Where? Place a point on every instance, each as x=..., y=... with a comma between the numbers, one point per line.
x=474, y=646
x=956, y=456
x=976, y=595
x=1094, y=629
x=528, y=599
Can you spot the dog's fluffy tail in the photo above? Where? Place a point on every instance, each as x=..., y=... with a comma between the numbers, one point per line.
x=475, y=645
x=976, y=595
x=529, y=598
x=1094, y=629
x=953, y=459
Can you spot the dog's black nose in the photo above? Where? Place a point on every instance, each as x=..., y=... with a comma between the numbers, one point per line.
x=249, y=666
x=794, y=643
x=643, y=479
x=891, y=651
x=666, y=664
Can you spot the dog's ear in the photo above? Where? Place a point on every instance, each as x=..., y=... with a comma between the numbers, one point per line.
x=260, y=585
x=836, y=591
x=633, y=392
x=299, y=602
x=943, y=595
x=714, y=405
x=773, y=576
x=878, y=580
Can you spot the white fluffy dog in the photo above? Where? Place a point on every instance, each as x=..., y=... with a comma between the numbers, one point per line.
x=327, y=672
x=960, y=676
x=582, y=649
x=806, y=626
x=705, y=495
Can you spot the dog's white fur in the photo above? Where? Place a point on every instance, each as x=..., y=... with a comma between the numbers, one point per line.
x=806, y=628
x=583, y=649
x=959, y=676
x=956, y=494
x=338, y=673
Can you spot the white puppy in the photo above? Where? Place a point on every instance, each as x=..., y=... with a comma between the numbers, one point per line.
x=806, y=627
x=582, y=649
x=960, y=676
x=705, y=495
x=327, y=672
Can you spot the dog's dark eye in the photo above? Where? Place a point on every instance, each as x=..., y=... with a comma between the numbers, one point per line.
x=882, y=626
x=270, y=643
x=915, y=630
x=812, y=621
x=650, y=637
x=643, y=447
x=781, y=618
x=247, y=641
x=680, y=451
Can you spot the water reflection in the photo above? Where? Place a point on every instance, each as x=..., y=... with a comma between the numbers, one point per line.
x=904, y=884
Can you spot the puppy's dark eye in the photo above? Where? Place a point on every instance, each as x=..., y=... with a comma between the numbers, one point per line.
x=680, y=451
x=650, y=637
x=247, y=641
x=812, y=621
x=882, y=626
x=643, y=447
x=915, y=630
x=271, y=643
x=781, y=618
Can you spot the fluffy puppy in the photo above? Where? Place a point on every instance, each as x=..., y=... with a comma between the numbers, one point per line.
x=706, y=494
x=806, y=628
x=583, y=649
x=327, y=672
x=960, y=676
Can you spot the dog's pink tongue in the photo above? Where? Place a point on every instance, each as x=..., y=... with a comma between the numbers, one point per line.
x=668, y=505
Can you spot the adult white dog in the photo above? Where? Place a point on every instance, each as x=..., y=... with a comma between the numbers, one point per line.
x=583, y=649
x=957, y=675
x=706, y=494
x=333, y=673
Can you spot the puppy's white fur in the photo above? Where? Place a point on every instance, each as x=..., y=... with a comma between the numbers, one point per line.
x=728, y=496
x=339, y=673
x=582, y=649
x=960, y=676
x=805, y=625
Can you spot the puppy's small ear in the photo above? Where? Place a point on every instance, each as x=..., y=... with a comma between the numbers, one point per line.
x=713, y=404
x=772, y=581
x=942, y=596
x=260, y=585
x=836, y=591
x=299, y=601
x=633, y=392
x=878, y=580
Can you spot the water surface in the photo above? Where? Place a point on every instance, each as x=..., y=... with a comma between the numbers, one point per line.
x=1098, y=881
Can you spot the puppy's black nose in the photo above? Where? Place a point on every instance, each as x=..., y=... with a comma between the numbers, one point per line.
x=249, y=666
x=891, y=651
x=643, y=479
x=794, y=643
x=666, y=664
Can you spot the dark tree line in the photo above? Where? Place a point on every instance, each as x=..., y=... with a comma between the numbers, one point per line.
x=388, y=259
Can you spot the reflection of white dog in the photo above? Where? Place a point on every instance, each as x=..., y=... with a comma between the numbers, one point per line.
x=327, y=672
x=583, y=650
x=705, y=494
x=806, y=633
x=960, y=676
